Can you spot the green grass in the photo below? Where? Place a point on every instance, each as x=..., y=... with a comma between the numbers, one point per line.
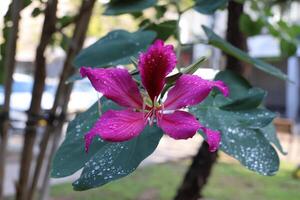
x=228, y=182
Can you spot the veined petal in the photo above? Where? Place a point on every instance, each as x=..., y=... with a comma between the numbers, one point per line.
x=213, y=138
x=117, y=126
x=115, y=84
x=154, y=65
x=190, y=90
x=178, y=125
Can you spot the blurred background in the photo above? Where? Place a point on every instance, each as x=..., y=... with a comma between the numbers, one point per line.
x=36, y=60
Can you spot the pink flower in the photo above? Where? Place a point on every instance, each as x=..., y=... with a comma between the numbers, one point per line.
x=154, y=65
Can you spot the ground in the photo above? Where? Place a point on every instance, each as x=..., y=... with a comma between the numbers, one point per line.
x=230, y=181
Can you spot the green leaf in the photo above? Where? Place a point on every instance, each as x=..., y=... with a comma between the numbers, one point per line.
x=65, y=21
x=208, y=7
x=36, y=12
x=160, y=11
x=117, y=160
x=164, y=30
x=118, y=7
x=220, y=43
x=105, y=161
x=287, y=48
x=65, y=42
x=249, y=26
x=238, y=85
x=252, y=99
x=244, y=133
x=115, y=48
x=241, y=138
x=71, y=155
x=270, y=134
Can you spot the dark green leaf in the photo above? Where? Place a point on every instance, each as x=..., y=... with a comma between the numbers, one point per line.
x=287, y=48
x=119, y=7
x=105, y=161
x=238, y=85
x=115, y=48
x=220, y=43
x=164, y=30
x=241, y=137
x=117, y=160
x=208, y=7
x=160, y=11
x=252, y=99
x=249, y=26
x=65, y=21
x=244, y=134
x=36, y=12
x=71, y=155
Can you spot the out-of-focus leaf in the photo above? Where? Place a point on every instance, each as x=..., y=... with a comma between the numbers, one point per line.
x=249, y=26
x=160, y=11
x=65, y=21
x=114, y=49
x=208, y=7
x=222, y=44
x=164, y=30
x=118, y=7
x=287, y=48
x=36, y=12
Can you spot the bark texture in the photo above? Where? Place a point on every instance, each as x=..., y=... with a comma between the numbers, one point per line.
x=34, y=112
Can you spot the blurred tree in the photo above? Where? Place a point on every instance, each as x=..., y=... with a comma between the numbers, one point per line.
x=34, y=112
x=7, y=66
x=58, y=113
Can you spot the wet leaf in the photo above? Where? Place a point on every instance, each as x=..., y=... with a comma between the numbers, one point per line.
x=105, y=161
x=245, y=127
x=116, y=160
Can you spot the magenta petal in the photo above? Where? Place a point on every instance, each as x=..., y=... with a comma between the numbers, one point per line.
x=213, y=138
x=154, y=65
x=117, y=126
x=115, y=84
x=178, y=125
x=190, y=90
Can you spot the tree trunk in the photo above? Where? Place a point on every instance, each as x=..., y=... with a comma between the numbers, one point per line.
x=62, y=95
x=9, y=67
x=196, y=177
x=236, y=38
x=198, y=173
x=37, y=92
